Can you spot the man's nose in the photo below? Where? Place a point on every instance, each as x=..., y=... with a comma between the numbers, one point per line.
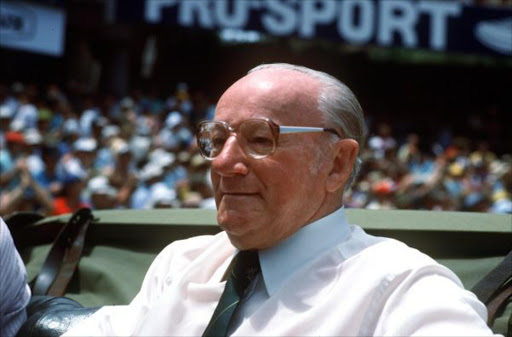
x=231, y=160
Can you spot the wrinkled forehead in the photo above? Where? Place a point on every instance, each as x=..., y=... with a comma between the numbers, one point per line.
x=285, y=96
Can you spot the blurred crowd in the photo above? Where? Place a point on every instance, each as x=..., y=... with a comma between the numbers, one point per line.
x=452, y=174
x=59, y=153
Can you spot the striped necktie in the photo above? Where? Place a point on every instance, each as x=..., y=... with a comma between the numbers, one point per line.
x=244, y=267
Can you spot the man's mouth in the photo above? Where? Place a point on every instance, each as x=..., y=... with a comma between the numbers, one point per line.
x=238, y=193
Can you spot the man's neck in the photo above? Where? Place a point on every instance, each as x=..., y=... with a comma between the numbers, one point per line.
x=330, y=204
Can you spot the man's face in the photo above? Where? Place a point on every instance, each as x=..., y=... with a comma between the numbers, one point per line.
x=262, y=201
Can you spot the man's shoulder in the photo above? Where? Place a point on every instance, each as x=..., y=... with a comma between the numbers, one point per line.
x=192, y=248
x=398, y=253
x=182, y=258
x=390, y=257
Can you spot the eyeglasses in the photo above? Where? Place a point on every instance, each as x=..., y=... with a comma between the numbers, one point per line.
x=257, y=137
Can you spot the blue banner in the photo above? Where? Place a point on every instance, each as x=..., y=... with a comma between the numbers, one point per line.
x=445, y=26
x=31, y=27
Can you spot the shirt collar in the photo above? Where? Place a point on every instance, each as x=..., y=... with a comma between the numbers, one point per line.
x=278, y=263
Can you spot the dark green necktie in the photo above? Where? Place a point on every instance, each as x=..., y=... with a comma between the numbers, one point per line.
x=244, y=267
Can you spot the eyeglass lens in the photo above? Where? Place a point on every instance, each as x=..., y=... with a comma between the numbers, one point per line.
x=255, y=137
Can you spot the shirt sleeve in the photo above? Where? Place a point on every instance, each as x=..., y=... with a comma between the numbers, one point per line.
x=126, y=320
x=431, y=301
x=123, y=320
x=14, y=291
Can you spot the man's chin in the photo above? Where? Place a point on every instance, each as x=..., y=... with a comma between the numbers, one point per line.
x=235, y=228
x=236, y=216
x=239, y=233
x=247, y=241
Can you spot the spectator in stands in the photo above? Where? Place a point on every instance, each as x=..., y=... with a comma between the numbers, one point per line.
x=25, y=115
x=44, y=126
x=123, y=177
x=84, y=150
x=128, y=116
x=175, y=136
x=28, y=195
x=73, y=179
x=410, y=150
x=69, y=129
x=101, y=194
x=12, y=159
x=33, y=144
x=87, y=120
x=6, y=115
x=20, y=165
x=163, y=197
x=176, y=173
x=150, y=180
x=382, y=195
x=47, y=176
x=382, y=141
x=181, y=101
x=8, y=97
x=476, y=202
x=199, y=181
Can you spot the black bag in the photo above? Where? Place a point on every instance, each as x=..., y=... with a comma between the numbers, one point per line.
x=495, y=290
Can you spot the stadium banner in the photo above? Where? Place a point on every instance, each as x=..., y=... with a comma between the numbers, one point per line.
x=446, y=26
x=32, y=27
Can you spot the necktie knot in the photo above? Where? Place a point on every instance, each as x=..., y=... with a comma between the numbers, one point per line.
x=246, y=266
x=242, y=270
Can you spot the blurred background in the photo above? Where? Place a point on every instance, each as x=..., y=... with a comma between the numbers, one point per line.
x=99, y=98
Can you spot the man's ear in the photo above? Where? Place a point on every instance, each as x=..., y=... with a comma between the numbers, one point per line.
x=344, y=156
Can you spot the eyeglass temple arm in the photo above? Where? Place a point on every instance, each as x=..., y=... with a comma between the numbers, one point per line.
x=303, y=129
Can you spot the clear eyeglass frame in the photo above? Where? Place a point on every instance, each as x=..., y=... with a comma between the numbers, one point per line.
x=257, y=137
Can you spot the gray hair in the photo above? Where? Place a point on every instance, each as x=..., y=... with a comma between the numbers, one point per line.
x=337, y=103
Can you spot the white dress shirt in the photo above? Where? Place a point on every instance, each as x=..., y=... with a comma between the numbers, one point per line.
x=327, y=279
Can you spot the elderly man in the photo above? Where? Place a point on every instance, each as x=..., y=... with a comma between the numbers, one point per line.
x=283, y=147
